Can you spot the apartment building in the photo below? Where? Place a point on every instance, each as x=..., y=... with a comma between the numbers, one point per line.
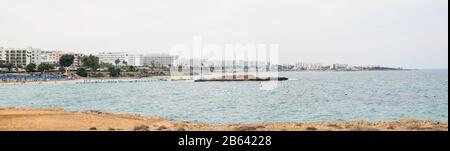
x=21, y=56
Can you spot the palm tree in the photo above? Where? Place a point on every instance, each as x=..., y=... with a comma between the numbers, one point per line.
x=117, y=62
x=125, y=63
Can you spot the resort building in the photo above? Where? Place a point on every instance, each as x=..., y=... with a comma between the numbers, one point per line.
x=111, y=57
x=21, y=57
x=340, y=66
x=51, y=56
x=76, y=60
x=135, y=60
x=159, y=60
x=186, y=63
x=309, y=66
x=2, y=55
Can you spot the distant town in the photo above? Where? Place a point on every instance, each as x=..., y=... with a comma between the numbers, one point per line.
x=32, y=60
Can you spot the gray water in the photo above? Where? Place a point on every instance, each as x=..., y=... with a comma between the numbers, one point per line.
x=312, y=96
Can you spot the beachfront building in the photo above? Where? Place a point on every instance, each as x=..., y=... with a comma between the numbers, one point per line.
x=51, y=56
x=111, y=57
x=186, y=63
x=340, y=66
x=35, y=55
x=2, y=55
x=135, y=60
x=165, y=60
x=308, y=66
x=76, y=60
x=21, y=56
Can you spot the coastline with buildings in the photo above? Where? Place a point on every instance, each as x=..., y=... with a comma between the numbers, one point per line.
x=104, y=64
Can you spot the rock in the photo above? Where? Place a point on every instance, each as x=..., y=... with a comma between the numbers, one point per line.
x=260, y=126
x=141, y=127
x=162, y=128
x=391, y=127
x=93, y=128
x=311, y=129
x=334, y=126
x=180, y=129
x=246, y=128
x=94, y=111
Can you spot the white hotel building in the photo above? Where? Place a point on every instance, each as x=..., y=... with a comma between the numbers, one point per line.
x=21, y=56
x=111, y=57
x=2, y=58
x=159, y=60
x=137, y=59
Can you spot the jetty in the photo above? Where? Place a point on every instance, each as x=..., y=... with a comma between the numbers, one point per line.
x=98, y=81
x=241, y=78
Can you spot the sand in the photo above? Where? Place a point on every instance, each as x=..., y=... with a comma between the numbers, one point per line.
x=20, y=119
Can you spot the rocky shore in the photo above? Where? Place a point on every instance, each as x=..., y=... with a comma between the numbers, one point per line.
x=20, y=119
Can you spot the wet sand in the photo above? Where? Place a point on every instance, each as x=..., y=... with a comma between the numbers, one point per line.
x=20, y=119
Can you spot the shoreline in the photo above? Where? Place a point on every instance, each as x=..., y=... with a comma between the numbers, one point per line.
x=55, y=119
x=81, y=80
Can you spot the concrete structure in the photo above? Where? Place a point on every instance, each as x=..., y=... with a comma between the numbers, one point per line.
x=159, y=59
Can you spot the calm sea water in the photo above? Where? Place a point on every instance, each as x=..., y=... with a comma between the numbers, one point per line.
x=312, y=96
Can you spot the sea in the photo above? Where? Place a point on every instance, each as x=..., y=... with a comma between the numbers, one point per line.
x=306, y=97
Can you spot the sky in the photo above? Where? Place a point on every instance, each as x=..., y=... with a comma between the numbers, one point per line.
x=395, y=33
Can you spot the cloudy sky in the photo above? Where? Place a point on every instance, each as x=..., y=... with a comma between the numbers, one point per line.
x=399, y=33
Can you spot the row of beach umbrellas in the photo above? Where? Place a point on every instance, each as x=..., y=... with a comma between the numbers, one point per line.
x=31, y=77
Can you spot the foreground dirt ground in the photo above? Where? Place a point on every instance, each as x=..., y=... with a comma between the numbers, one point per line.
x=18, y=119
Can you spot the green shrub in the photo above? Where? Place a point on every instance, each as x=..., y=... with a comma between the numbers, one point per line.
x=82, y=72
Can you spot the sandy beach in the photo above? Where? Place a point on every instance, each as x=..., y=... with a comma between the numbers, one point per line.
x=21, y=119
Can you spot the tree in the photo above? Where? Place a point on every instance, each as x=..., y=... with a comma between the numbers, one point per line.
x=125, y=63
x=82, y=72
x=132, y=69
x=180, y=68
x=18, y=67
x=90, y=62
x=61, y=69
x=43, y=67
x=106, y=65
x=114, y=72
x=9, y=66
x=117, y=62
x=66, y=60
x=30, y=67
